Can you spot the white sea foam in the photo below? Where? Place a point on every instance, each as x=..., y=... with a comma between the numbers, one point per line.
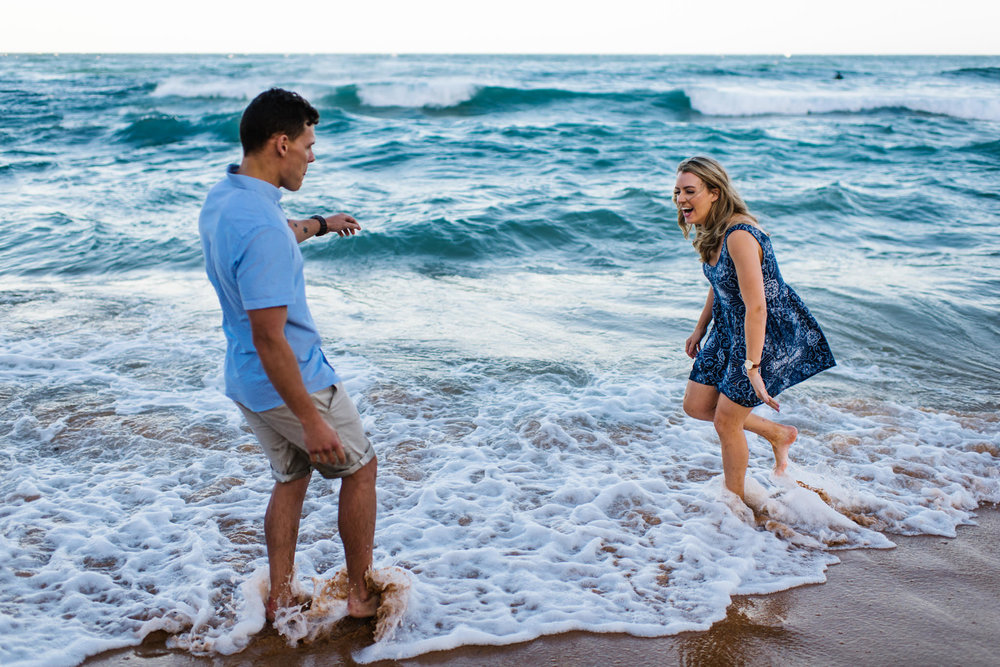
x=973, y=104
x=432, y=94
x=210, y=88
x=523, y=497
x=410, y=93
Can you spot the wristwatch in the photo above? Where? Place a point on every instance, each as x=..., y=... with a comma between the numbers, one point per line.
x=323, y=229
x=749, y=365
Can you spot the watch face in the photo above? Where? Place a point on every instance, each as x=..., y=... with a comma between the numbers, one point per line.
x=748, y=364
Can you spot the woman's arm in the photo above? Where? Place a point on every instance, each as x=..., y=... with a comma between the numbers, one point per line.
x=746, y=254
x=692, y=346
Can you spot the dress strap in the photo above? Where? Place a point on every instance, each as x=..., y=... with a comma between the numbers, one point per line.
x=747, y=227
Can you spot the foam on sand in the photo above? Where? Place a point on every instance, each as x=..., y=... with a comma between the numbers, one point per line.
x=317, y=617
x=329, y=606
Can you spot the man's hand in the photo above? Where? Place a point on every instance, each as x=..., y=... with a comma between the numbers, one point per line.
x=343, y=224
x=323, y=443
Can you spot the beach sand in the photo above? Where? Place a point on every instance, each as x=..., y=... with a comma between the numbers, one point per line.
x=929, y=601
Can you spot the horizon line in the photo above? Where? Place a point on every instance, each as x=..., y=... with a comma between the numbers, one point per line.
x=526, y=54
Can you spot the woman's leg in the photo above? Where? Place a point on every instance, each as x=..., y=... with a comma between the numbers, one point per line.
x=700, y=401
x=730, y=420
x=780, y=436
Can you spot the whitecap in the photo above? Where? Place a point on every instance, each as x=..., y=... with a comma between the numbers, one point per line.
x=432, y=94
x=770, y=100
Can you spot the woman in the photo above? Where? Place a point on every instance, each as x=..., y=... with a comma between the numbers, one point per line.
x=763, y=339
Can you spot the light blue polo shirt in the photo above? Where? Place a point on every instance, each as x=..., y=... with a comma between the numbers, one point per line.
x=253, y=261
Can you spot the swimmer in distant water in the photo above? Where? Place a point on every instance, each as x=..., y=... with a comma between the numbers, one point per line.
x=838, y=76
x=275, y=370
x=763, y=338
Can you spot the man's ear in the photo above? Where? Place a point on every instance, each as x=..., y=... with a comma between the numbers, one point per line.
x=281, y=144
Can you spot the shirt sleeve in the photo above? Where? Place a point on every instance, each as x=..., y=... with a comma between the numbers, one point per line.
x=265, y=272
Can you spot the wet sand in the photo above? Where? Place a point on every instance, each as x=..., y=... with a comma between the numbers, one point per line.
x=929, y=601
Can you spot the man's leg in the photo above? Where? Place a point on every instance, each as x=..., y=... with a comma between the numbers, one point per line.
x=356, y=521
x=281, y=532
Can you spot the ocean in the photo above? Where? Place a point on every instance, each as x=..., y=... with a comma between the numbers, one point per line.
x=511, y=322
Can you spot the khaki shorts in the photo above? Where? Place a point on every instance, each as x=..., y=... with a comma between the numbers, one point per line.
x=281, y=435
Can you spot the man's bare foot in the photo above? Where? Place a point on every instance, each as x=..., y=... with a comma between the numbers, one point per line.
x=780, y=448
x=362, y=608
x=273, y=605
x=270, y=609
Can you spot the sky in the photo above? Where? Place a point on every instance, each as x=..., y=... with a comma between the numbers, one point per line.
x=507, y=26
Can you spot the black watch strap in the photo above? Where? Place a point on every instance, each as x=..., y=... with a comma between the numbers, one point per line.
x=323, y=229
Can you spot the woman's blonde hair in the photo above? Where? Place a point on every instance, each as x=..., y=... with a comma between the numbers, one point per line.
x=708, y=237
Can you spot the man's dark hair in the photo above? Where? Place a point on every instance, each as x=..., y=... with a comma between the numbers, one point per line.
x=275, y=111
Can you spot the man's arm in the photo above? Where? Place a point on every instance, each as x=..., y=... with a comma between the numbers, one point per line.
x=341, y=223
x=278, y=359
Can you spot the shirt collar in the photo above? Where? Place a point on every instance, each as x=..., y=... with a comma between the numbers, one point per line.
x=250, y=183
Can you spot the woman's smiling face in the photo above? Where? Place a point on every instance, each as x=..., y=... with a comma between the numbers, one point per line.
x=693, y=198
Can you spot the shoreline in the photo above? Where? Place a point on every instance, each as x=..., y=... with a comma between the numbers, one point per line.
x=931, y=600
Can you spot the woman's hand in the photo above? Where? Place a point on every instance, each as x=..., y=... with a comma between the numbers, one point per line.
x=692, y=346
x=757, y=382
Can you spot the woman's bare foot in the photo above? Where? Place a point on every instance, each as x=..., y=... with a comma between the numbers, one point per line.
x=362, y=608
x=780, y=447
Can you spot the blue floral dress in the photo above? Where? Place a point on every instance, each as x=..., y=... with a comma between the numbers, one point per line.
x=794, y=346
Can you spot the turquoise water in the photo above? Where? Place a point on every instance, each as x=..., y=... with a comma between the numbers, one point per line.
x=511, y=321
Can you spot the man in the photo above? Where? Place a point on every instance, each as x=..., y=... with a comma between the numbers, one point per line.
x=275, y=370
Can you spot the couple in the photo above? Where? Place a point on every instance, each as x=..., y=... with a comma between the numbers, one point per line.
x=763, y=340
